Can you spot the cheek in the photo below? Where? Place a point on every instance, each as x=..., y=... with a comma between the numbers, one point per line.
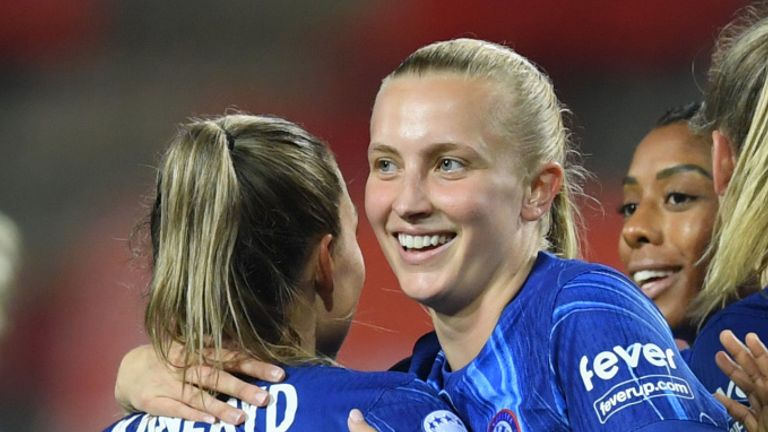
x=477, y=202
x=360, y=265
x=692, y=234
x=354, y=267
x=377, y=195
x=624, y=251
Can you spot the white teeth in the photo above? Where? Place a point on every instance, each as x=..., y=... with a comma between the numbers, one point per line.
x=420, y=242
x=643, y=276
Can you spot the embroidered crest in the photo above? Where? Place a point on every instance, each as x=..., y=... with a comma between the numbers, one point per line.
x=504, y=421
x=443, y=421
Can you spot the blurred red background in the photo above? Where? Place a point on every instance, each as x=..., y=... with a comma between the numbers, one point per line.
x=92, y=90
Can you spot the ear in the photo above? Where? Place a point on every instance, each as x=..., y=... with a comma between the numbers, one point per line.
x=723, y=161
x=544, y=187
x=324, y=272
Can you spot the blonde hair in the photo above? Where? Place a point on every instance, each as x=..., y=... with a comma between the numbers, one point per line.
x=532, y=117
x=736, y=104
x=240, y=202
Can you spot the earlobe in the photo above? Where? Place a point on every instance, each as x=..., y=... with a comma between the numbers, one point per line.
x=324, y=272
x=544, y=187
x=723, y=161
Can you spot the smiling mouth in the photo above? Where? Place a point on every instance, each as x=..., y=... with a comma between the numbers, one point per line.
x=654, y=282
x=423, y=242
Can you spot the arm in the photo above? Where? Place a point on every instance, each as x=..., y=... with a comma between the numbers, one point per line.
x=146, y=383
x=747, y=366
x=617, y=365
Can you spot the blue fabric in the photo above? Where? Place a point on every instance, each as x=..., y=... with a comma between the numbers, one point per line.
x=319, y=398
x=425, y=351
x=579, y=348
x=747, y=315
x=679, y=426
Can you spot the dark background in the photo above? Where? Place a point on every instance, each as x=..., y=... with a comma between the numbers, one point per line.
x=91, y=92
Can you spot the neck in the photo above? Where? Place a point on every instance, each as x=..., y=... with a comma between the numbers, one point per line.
x=303, y=319
x=463, y=334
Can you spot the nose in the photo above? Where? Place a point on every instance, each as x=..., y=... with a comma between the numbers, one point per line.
x=412, y=201
x=642, y=227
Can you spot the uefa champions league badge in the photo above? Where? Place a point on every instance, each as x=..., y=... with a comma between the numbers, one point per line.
x=443, y=421
x=504, y=421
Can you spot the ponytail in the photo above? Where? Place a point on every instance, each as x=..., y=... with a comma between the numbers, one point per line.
x=197, y=208
x=565, y=217
x=563, y=235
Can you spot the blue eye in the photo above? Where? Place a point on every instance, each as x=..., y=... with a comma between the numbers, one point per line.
x=448, y=165
x=384, y=165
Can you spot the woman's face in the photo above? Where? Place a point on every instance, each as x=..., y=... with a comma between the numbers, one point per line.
x=348, y=278
x=442, y=196
x=669, y=208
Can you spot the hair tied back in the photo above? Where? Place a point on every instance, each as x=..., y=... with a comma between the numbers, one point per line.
x=230, y=140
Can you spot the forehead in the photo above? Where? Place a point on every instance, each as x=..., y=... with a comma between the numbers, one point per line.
x=671, y=145
x=439, y=107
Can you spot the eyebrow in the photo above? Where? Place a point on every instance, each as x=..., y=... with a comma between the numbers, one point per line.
x=628, y=181
x=381, y=148
x=677, y=169
x=669, y=172
x=430, y=151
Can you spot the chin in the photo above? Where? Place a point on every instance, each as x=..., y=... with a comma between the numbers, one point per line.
x=419, y=288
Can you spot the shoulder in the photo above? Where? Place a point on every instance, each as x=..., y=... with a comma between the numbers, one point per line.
x=412, y=405
x=744, y=316
x=349, y=379
x=749, y=314
x=569, y=273
x=316, y=397
x=379, y=388
x=588, y=287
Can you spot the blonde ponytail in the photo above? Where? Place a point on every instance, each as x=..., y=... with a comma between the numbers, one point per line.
x=199, y=207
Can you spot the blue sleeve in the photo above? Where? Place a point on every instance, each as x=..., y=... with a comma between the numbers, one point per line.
x=679, y=426
x=702, y=358
x=415, y=408
x=616, y=363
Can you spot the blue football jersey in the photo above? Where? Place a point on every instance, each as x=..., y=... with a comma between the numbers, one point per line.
x=747, y=315
x=579, y=348
x=319, y=398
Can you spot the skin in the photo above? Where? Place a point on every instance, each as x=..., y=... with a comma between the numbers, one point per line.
x=747, y=365
x=439, y=168
x=669, y=208
x=341, y=264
